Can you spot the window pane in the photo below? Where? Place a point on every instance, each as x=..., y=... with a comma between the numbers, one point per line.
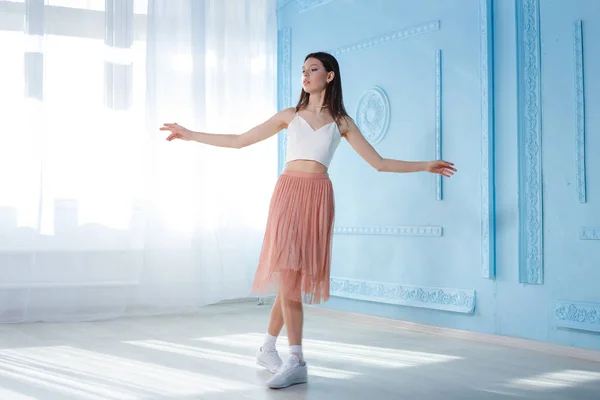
x=95, y=5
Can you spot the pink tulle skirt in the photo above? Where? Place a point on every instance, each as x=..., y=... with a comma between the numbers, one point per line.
x=295, y=258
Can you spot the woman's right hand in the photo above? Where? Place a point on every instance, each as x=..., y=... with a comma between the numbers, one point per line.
x=177, y=132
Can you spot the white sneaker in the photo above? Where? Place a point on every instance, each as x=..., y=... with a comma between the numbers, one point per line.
x=293, y=372
x=269, y=358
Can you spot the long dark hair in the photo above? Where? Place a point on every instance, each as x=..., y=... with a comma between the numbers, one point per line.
x=333, y=93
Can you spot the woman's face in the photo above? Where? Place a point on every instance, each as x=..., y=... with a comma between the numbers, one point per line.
x=314, y=76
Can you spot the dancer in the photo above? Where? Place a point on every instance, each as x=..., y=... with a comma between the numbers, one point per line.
x=296, y=252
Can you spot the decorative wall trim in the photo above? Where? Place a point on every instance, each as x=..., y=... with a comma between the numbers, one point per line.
x=435, y=231
x=531, y=267
x=373, y=114
x=589, y=234
x=305, y=5
x=402, y=34
x=579, y=110
x=284, y=97
x=488, y=195
x=438, y=120
x=578, y=315
x=455, y=300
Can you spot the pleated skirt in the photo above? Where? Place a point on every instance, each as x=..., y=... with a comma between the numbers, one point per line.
x=295, y=258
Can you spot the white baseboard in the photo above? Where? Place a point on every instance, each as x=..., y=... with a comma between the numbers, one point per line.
x=508, y=341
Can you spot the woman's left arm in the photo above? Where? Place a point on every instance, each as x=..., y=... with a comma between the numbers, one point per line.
x=370, y=155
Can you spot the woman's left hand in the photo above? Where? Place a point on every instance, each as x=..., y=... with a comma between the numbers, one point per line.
x=441, y=167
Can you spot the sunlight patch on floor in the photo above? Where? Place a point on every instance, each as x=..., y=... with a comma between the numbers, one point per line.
x=92, y=375
x=232, y=358
x=555, y=380
x=338, y=351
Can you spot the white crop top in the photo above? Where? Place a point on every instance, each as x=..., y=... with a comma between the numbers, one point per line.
x=305, y=143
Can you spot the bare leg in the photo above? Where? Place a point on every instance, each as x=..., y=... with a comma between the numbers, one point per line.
x=267, y=355
x=276, y=318
x=295, y=370
x=293, y=316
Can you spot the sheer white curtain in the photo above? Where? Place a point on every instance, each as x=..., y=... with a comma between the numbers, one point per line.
x=100, y=217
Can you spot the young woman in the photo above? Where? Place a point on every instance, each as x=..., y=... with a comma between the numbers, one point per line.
x=295, y=257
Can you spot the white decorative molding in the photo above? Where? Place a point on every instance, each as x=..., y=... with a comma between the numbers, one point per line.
x=579, y=110
x=445, y=299
x=435, y=231
x=531, y=264
x=488, y=212
x=305, y=5
x=589, y=234
x=284, y=97
x=373, y=114
x=389, y=37
x=578, y=315
x=438, y=120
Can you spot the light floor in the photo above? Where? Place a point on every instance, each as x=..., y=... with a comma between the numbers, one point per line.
x=210, y=355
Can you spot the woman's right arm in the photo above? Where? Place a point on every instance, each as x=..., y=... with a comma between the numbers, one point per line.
x=260, y=132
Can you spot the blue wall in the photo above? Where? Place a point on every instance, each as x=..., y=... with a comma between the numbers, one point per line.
x=507, y=91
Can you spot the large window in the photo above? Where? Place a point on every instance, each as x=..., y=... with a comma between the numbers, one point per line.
x=75, y=146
